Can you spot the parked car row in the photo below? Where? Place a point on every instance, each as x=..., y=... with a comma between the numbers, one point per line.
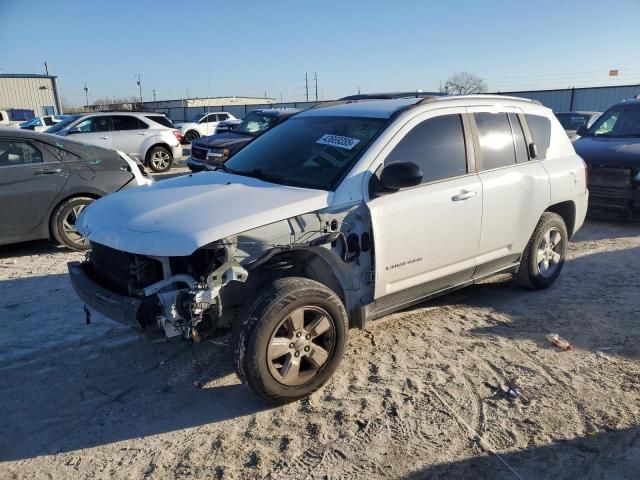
x=40, y=124
x=571, y=121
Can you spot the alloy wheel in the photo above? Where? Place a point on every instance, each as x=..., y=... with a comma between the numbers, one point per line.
x=549, y=252
x=160, y=159
x=301, y=345
x=69, y=226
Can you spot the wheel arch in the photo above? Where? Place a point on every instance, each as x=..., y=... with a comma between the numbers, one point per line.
x=162, y=145
x=567, y=210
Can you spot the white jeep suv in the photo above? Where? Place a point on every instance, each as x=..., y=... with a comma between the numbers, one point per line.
x=338, y=216
x=149, y=137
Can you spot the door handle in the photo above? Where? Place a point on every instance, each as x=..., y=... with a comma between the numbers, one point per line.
x=464, y=195
x=141, y=133
x=104, y=137
x=52, y=171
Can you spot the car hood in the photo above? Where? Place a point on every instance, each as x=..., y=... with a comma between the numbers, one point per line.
x=228, y=139
x=176, y=217
x=609, y=152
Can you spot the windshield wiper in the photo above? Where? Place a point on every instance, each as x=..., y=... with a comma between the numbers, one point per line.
x=261, y=174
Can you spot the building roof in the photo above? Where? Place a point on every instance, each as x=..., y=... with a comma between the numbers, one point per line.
x=25, y=75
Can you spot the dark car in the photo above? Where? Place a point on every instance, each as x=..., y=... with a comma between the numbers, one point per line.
x=571, y=121
x=611, y=150
x=208, y=153
x=46, y=181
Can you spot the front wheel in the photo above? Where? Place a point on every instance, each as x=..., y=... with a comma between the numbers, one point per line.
x=290, y=339
x=159, y=159
x=545, y=253
x=63, y=223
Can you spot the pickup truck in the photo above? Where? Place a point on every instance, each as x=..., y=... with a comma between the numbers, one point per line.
x=13, y=117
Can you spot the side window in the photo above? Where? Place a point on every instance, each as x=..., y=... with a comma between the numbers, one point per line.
x=540, y=128
x=164, y=121
x=48, y=121
x=222, y=117
x=16, y=152
x=496, y=141
x=522, y=154
x=125, y=122
x=437, y=146
x=95, y=124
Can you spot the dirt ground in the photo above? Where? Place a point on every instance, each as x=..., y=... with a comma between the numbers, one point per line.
x=414, y=398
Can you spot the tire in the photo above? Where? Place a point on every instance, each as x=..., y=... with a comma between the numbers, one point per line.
x=532, y=272
x=159, y=159
x=190, y=136
x=62, y=223
x=267, y=329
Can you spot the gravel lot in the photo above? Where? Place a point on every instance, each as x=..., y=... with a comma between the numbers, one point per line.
x=412, y=399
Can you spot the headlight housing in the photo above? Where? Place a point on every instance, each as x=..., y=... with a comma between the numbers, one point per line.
x=217, y=155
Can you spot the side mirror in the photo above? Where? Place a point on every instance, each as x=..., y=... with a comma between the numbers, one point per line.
x=71, y=131
x=582, y=130
x=399, y=175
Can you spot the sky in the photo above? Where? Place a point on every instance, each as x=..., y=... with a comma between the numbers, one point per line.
x=249, y=48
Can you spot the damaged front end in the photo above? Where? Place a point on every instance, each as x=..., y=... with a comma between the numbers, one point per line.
x=614, y=191
x=191, y=296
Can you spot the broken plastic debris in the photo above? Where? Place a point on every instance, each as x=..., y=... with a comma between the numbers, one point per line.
x=558, y=341
x=601, y=354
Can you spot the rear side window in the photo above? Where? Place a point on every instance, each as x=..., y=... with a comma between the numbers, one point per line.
x=162, y=120
x=496, y=141
x=125, y=122
x=437, y=146
x=518, y=137
x=540, y=128
x=16, y=152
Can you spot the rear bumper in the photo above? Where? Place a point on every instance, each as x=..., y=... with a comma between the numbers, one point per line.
x=117, y=307
x=176, y=151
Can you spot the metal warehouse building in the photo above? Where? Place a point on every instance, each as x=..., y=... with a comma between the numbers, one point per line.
x=596, y=99
x=33, y=92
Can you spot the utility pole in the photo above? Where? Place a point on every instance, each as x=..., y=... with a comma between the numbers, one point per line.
x=155, y=104
x=281, y=98
x=358, y=90
x=316, y=77
x=139, y=82
x=306, y=84
x=86, y=93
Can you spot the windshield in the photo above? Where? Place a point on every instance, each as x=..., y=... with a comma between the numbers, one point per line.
x=196, y=118
x=313, y=152
x=571, y=121
x=63, y=124
x=618, y=122
x=34, y=122
x=255, y=123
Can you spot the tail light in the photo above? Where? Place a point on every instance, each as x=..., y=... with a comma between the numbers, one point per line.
x=177, y=134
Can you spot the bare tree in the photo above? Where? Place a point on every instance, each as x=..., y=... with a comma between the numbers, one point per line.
x=464, y=83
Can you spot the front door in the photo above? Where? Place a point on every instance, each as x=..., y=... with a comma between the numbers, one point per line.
x=426, y=237
x=30, y=179
x=93, y=130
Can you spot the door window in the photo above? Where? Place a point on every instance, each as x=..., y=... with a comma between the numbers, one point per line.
x=496, y=140
x=222, y=117
x=437, y=146
x=48, y=121
x=94, y=124
x=540, y=128
x=126, y=122
x=15, y=152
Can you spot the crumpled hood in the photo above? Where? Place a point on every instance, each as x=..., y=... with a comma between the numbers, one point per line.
x=609, y=152
x=176, y=217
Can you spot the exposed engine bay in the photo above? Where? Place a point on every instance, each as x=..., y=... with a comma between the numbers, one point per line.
x=193, y=296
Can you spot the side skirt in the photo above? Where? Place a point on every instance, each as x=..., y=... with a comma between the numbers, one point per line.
x=400, y=300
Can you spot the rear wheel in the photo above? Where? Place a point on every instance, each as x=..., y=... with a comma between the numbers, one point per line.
x=190, y=136
x=545, y=254
x=63, y=223
x=159, y=159
x=290, y=340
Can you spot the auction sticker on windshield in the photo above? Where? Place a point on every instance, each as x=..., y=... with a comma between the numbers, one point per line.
x=338, y=141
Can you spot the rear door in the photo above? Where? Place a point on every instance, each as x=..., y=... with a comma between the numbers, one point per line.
x=515, y=187
x=426, y=237
x=129, y=133
x=30, y=178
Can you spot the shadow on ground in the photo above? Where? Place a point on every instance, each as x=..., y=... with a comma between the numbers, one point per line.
x=613, y=454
